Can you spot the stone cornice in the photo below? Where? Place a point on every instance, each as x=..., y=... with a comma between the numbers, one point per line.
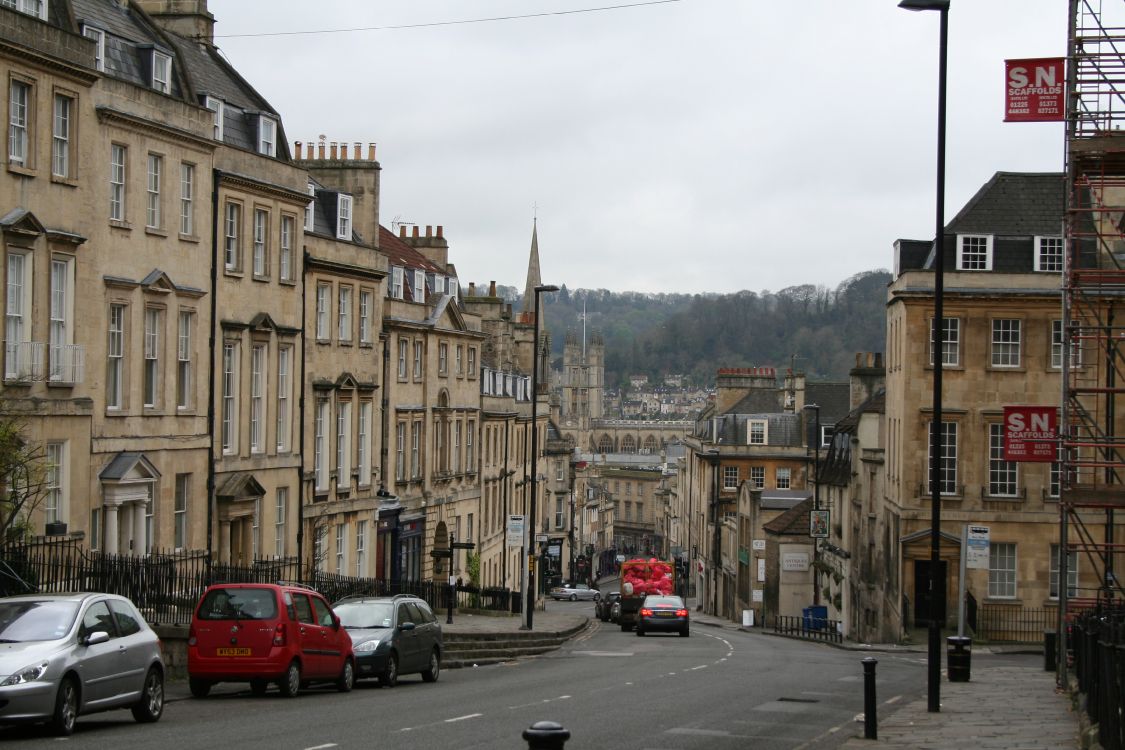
x=110, y=116
x=264, y=189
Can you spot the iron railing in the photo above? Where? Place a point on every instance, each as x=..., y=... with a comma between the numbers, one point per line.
x=1097, y=641
x=811, y=628
x=999, y=623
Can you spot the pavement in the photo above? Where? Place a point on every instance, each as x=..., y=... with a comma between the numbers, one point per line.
x=1002, y=707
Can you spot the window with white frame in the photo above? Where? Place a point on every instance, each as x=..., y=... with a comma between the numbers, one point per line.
x=216, y=106
x=974, y=252
x=319, y=537
x=284, y=387
x=400, y=451
x=950, y=342
x=230, y=398
x=341, y=549
x=323, y=300
x=258, y=398
x=281, y=511
x=1049, y=254
x=403, y=353
x=1003, y=476
x=415, y=450
x=115, y=357
x=1002, y=570
x=60, y=136
x=19, y=112
x=826, y=433
x=947, y=465
x=161, y=72
x=320, y=445
x=560, y=514
x=470, y=459
x=441, y=457
x=54, y=499
x=782, y=476
x=456, y=447
x=361, y=548
x=1057, y=344
x=419, y=288
x=343, y=444
x=36, y=8
x=472, y=366
x=232, y=236
x=758, y=477
x=366, y=298
x=417, y=360
x=344, y=217
x=65, y=359
x=261, y=242
x=152, y=194
x=153, y=321
x=396, y=287
x=1006, y=342
x=180, y=512
x=344, y=313
x=267, y=135
x=187, y=199
x=99, y=45
x=459, y=360
x=184, y=360
x=756, y=431
x=285, y=249
x=363, y=444
x=1071, y=573
x=309, y=208
x=443, y=358
x=730, y=477
x=117, y=182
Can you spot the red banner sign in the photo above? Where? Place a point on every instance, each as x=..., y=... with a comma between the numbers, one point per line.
x=1035, y=90
x=1030, y=433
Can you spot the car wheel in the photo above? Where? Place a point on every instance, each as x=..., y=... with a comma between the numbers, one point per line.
x=199, y=688
x=431, y=674
x=574, y=597
x=389, y=678
x=66, y=708
x=625, y=627
x=258, y=686
x=640, y=633
x=291, y=683
x=684, y=633
x=151, y=705
x=347, y=677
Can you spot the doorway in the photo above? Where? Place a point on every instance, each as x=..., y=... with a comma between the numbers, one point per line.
x=922, y=598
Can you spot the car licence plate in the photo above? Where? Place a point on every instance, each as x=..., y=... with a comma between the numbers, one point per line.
x=665, y=613
x=232, y=651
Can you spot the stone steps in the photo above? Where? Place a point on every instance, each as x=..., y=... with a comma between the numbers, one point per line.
x=477, y=649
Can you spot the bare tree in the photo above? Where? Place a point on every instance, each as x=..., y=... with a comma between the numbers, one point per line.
x=23, y=477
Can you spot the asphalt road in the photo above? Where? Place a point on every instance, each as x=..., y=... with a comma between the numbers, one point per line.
x=717, y=689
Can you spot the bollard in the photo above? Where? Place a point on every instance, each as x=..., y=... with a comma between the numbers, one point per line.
x=1050, y=650
x=546, y=735
x=870, y=725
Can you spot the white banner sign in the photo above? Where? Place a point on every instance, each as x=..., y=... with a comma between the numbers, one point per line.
x=976, y=551
x=795, y=561
x=761, y=570
x=756, y=596
x=759, y=545
x=515, y=531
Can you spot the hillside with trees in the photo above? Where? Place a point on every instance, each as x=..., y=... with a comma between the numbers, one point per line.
x=813, y=328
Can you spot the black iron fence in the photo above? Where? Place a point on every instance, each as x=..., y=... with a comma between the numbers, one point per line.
x=812, y=628
x=1001, y=623
x=1097, y=641
x=166, y=585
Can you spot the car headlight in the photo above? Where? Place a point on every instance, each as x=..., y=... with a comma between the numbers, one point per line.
x=25, y=675
x=367, y=646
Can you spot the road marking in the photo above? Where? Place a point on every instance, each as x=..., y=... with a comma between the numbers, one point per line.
x=540, y=702
x=322, y=747
x=889, y=701
x=701, y=666
x=462, y=718
x=604, y=653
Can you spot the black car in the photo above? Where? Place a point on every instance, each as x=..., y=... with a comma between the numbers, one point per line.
x=392, y=636
x=663, y=613
x=603, y=606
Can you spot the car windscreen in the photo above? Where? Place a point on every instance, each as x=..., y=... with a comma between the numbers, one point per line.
x=238, y=604
x=44, y=620
x=365, y=614
x=664, y=601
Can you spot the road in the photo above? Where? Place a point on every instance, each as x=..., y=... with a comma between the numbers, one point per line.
x=717, y=689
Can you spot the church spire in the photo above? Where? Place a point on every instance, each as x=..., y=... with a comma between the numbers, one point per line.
x=533, y=278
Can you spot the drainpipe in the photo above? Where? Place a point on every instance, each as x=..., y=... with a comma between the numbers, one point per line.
x=215, y=175
x=301, y=427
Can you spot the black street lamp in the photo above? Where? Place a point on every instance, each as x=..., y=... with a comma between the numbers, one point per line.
x=535, y=441
x=934, y=656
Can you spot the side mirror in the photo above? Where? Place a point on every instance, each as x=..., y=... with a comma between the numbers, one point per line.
x=335, y=621
x=406, y=626
x=93, y=639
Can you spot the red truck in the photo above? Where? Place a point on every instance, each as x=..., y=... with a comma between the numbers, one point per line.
x=639, y=578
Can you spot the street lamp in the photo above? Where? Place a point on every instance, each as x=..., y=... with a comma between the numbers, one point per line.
x=535, y=438
x=816, y=495
x=934, y=664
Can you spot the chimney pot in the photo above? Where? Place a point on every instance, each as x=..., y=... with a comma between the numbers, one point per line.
x=332, y=150
x=370, y=152
x=859, y=359
x=358, y=151
x=429, y=230
x=344, y=151
x=878, y=359
x=320, y=150
x=415, y=232
x=402, y=231
x=439, y=228
x=472, y=289
x=297, y=150
x=492, y=289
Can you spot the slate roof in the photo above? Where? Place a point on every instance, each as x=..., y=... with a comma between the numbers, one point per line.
x=793, y=522
x=401, y=254
x=836, y=466
x=127, y=35
x=122, y=464
x=782, y=499
x=1014, y=204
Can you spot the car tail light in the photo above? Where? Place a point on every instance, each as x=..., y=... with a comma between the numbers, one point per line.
x=681, y=613
x=646, y=613
x=279, y=634
x=191, y=636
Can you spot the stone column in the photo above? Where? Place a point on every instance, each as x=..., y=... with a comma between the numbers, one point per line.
x=110, y=533
x=224, y=541
x=140, y=533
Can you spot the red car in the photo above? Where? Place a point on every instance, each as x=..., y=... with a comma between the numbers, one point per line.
x=262, y=633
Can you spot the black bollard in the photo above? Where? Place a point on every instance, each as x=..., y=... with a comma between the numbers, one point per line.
x=870, y=725
x=546, y=735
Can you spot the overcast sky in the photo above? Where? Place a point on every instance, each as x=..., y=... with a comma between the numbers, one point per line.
x=686, y=146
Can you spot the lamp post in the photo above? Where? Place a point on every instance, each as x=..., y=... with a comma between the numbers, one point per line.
x=934, y=663
x=816, y=496
x=535, y=440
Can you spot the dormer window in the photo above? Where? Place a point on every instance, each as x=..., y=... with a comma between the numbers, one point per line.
x=396, y=282
x=974, y=252
x=344, y=217
x=452, y=288
x=161, y=72
x=1049, y=254
x=419, y=290
x=267, y=135
x=309, y=208
x=438, y=284
x=99, y=45
x=37, y=8
x=216, y=106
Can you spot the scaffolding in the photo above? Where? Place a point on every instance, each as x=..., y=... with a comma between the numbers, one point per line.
x=1092, y=425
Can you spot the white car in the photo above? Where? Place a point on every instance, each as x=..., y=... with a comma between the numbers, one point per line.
x=62, y=655
x=574, y=592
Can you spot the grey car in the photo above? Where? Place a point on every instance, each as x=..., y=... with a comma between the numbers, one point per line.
x=574, y=592
x=392, y=636
x=63, y=655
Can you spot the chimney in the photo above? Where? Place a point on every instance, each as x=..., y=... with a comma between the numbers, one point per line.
x=187, y=18
x=414, y=234
x=472, y=289
x=332, y=150
x=402, y=231
x=370, y=152
x=868, y=377
x=429, y=231
x=320, y=150
x=344, y=151
x=297, y=150
x=439, y=229
x=492, y=289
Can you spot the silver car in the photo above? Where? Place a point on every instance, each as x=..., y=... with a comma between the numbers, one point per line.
x=574, y=592
x=62, y=655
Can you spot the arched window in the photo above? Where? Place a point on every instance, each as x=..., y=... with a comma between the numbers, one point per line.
x=650, y=445
x=605, y=444
x=628, y=444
